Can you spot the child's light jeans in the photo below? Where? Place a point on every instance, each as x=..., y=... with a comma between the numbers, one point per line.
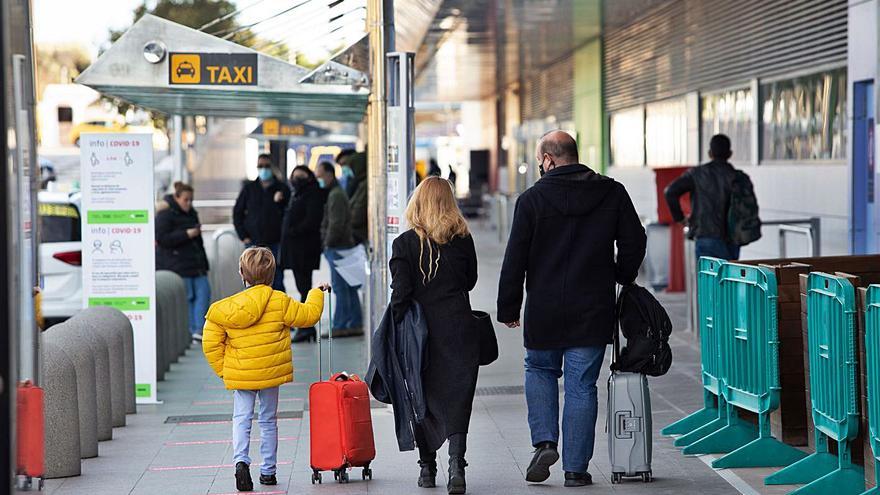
x=242, y=416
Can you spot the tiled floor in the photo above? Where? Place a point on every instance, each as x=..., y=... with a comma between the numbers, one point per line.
x=150, y=456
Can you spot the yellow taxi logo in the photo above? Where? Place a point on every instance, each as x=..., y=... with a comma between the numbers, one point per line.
x=186, y=68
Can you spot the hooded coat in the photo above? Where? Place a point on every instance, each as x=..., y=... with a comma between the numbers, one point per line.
x=246, y=338
x=358, y=164
x=562, y=245
x=175, y=250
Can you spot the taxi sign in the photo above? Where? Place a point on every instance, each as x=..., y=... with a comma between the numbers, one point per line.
x=219, y=69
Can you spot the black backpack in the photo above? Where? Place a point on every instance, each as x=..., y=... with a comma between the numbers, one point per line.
x=743, y=223
x=646, y=326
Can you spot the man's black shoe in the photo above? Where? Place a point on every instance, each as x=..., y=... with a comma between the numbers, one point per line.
x=268, y=479
x=545, y=456
x=243, y=481
x=577, y=479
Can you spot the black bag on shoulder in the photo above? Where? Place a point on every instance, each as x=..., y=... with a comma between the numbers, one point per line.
x=743, y=222
x=646, y=326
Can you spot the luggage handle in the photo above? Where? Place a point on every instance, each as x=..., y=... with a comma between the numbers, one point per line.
x=615, y=336
x=330, y=335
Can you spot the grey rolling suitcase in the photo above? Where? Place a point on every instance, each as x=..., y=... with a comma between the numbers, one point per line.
x=628, y=423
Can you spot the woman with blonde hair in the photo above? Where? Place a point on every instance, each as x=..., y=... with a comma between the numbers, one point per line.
x=435, y=264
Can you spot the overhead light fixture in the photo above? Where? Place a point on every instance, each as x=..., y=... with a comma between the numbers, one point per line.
x=447, y=23
x=154, y=51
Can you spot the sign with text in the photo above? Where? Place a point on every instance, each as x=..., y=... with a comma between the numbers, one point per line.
x=118, y=257
x=219, y=69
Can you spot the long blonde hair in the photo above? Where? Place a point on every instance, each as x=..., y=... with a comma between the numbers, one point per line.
x=434, y=215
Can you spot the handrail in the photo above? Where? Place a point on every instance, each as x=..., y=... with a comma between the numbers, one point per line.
x=812, y=231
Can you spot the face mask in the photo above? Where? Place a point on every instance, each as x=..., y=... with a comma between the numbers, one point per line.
x=347, y=172
x=343, y=181
x=321, y=183
x=299, y=183
x=541, y=171
x=265, y=173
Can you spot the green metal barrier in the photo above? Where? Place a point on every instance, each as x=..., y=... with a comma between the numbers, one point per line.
x=745, y=310
x=699, y=421
x=872, y=369
x=834, y=396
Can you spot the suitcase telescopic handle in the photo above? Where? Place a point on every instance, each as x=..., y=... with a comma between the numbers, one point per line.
x=615, y=337
x=330, y=333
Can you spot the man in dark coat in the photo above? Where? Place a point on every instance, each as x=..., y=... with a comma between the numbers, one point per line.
x=336, y=239
x=358, y=164
x=710, y=185
x=259, y=212
x=561, y=245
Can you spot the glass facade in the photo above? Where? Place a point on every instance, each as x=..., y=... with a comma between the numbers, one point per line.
x=627, y=134
x=804, y=118
x=666, y=133
x=731, y=113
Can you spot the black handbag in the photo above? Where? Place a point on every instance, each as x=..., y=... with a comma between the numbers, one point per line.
x=488, y=343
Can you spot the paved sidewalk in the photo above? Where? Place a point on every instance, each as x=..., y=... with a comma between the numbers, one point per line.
x=183, y=445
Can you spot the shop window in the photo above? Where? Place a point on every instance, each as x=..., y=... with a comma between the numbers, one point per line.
x=804, y=118
x=731, y=113
x=627, y=131
x=666, y=133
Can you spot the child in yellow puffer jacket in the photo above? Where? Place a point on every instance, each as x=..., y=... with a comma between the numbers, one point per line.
x=246, y=340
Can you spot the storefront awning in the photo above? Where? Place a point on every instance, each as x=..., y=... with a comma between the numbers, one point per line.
x=164, y=66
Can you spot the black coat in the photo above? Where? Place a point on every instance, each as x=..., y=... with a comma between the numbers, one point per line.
x=709, y=185
x=562, y=245
x=256, y=215
x=175, y=250
x=397, y=359
x=450, y=379
x=301, y=230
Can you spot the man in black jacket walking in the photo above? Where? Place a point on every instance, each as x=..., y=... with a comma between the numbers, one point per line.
x=561, y=245
x=710, y=185
x=259, y=212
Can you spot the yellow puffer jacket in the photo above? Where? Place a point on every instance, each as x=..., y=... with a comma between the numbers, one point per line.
x=246, y=338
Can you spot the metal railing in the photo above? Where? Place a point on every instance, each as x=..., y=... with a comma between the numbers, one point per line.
x=809, y=227
x=224, y=279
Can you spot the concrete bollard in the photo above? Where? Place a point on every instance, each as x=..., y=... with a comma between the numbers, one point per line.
x=80, y=353
x=110, y=324
x=82, y=328
x=184, y=338
x=61, y=413
x=172, y=304
x=162, y=317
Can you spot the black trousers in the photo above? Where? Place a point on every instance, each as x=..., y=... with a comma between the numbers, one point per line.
x=303, y=279
x=457, y=445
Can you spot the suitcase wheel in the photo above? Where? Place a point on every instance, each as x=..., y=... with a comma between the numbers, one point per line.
x=367, y=473
x=316, y=477
x=616, y=478
x=341, y=476
x=647, y=478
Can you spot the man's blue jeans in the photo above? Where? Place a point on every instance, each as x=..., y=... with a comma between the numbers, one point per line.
x=198, y=295
x=242, y=416
x=717, y=248
x=581, y=370
x=348, y=304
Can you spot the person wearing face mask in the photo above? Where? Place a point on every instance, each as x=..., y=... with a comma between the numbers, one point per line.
x=301, y=236
x=357, y=164
x=346, y=179
x=180, y=249
x=259, y=212
x=564, y=233
x=336, y=237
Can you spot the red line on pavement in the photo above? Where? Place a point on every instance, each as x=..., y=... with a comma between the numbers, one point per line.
x=213, y=442
x=213, y=466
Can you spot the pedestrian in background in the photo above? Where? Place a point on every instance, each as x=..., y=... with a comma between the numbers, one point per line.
x=247, y=344
x=562, y=245
x=180, y=248
x=357, y=163
x=336, y=238
x=710, y=186
x=346, y=177
x=301, y=236
x=259, y=212
x=435, y=264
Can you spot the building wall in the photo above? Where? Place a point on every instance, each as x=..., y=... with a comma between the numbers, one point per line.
x=678, y=50
x=588, y=103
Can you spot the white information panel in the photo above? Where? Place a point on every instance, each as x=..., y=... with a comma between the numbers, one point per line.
x=118, y=239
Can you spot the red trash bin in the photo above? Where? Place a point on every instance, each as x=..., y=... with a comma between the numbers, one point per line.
x=662, y=178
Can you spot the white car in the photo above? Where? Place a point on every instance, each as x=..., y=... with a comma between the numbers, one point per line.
x=60, y=254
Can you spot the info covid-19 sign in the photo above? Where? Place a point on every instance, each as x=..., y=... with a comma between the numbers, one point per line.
x=118, y=257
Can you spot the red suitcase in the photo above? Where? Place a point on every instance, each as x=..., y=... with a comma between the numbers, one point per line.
x=339, y=420
x=29, y=458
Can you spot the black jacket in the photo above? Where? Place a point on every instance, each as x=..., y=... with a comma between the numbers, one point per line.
x=709, y=185
x=562, y=245
x=256, y=215
x=175, y=251
x=399, y=357
x=358, y=164
x=301, y=230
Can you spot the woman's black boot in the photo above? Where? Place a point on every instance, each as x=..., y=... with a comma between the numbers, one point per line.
x=456, y=484
x=304, y=335
x=428, y=475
